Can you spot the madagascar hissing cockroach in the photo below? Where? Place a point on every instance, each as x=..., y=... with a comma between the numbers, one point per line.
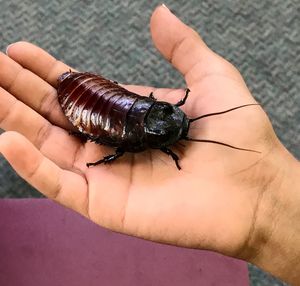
x=106, y=113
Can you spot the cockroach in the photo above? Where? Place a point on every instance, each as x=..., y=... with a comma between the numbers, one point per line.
x=106, y=113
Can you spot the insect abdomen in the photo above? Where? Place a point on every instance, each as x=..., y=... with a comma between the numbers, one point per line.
x=105, y=111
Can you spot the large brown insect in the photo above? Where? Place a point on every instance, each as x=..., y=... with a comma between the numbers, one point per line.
x=106, y=113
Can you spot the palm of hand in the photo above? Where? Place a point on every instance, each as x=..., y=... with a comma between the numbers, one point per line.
x=210, y=203
x=144, y=194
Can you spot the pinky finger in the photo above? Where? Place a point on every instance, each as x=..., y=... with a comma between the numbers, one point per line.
x=67, y=188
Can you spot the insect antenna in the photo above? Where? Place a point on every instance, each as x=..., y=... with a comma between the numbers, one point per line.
x=217, y=142
x=222, y=112
x=220, y=143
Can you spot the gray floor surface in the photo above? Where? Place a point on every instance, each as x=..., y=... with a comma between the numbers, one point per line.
x=112, y=38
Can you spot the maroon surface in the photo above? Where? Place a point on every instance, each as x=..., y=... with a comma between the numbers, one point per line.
x=42, y=243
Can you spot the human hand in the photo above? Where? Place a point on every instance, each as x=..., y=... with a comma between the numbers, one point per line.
x=214, y=202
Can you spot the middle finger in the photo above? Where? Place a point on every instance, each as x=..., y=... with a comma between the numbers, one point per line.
x=51, y=140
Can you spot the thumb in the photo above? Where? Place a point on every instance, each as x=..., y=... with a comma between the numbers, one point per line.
x=182, y=46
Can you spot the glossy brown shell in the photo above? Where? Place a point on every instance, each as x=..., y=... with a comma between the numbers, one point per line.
x=104, y=110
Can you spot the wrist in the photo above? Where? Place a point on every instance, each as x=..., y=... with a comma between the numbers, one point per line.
x=275, y=243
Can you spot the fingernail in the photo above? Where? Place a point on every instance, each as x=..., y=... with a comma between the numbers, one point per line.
x=7, y=49
x=165, y=6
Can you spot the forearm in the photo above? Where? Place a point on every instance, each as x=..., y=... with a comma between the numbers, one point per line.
x=276, y=243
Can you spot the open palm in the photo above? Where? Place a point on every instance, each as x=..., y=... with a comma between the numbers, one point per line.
x=210, y=203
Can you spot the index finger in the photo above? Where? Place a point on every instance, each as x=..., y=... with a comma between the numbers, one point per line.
x=44, y=65
x=49, y=68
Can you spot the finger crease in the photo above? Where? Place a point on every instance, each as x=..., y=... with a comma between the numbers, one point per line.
x=77, y=154
x=31, y=174
x=202, y=76
x=42, y=135
x=13, y=82
x=48, y=102
x=50, y=70
x=30, y=177
x=56, y=191
x=190, y=71
x=176, y=47
x=8, y=111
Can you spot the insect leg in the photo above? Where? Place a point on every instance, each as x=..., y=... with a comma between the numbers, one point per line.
x=83, y=137
x=108, y=159
x=151, y=95
x=183, y=100
x=172, y=154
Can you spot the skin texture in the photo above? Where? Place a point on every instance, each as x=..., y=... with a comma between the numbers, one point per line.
x=222, y=199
